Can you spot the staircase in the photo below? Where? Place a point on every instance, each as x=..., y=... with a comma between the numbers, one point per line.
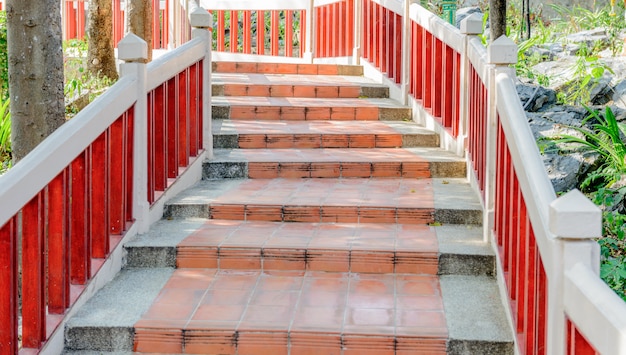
x=327, y=223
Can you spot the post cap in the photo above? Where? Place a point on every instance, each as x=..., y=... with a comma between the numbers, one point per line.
x=573, y=216
x=132, y=48
x=201, y=18
x=472, y=24
x=502, y=51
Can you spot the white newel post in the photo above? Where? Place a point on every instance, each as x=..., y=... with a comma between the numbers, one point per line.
x=202, y=24
x=471, y=26
x=501, y=54
x=406, y=51
x=134, y=52
x=575, y=222
x=310, y=33
x=358, y=31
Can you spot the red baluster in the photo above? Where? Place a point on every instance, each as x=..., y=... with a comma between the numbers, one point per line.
x=58, y=245
x=8, y=291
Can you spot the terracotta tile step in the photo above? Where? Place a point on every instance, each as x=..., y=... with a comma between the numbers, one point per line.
x=272, y=85
x=286, y=68
x=371, y=247
x=211, y=311
x=392, y=200
x=320, y=134
x=333, y=163
x=307, y=109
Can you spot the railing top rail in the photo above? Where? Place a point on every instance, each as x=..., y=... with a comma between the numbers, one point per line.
x=255, y=5
x=441, y=29
x=595, y=309
x=535, y=185
x=477, y=55
x=171, y=63
x=23, y=181
x=393, y=5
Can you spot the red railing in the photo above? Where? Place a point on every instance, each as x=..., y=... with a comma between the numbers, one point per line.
x=75, y=20
x=334, y=29
x=435, y=75
x=92, y=182
x=477, y=127
x=519, y=254
x=382, y=46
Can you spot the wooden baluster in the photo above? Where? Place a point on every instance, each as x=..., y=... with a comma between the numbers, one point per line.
x=58, y=244
x=8, y=291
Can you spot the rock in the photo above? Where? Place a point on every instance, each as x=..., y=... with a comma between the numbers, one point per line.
x=589, y=38
x=534, y=97
x=619, y=94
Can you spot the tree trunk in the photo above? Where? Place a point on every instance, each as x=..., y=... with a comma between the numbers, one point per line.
x=139, y=14
x=497, y=18
x=100, y=53
x=35, y=72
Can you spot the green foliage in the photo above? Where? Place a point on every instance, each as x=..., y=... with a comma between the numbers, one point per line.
x=5, y=135
x=586, y=72
x=4, y=58
x=604, y=139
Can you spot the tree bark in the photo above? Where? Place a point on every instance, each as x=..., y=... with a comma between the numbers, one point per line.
x=100, y=53
x=497, y=19
x=35, y=52
x=139, y=14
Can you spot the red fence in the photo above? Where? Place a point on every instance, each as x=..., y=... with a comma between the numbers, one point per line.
x=91, y=183
x=334, y=24
x=383, y=45
x=75, y=21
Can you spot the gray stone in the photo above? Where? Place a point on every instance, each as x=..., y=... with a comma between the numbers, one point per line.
x=225, y=141
x=535, y=97
x=589, y=37
x=213, y=170
x=464, y=12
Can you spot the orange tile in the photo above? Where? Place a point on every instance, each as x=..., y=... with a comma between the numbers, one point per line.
x=252, y=141
x=210, y=342
x=327, y=92
x=367, y=113
x=342, y=113
x=340, y=214
x=301, y=214
x=243, y=67
x=383, y=169
x=279, y=141
x=240, y=258
x=335, y=141
x=295, y=170
x=307, y=69
x=252, y=343
x=328, y=260
x=267, y=112
x=258, y=90
x=377, y=215
x=371, y=262
x=263, y=170
x=304, y=141
x=219, y=312
x=192, y=257
x=242, y=112
x=415, y=215
x=284, y=259
x=158, y=340
x=267, y=68
x=232, y=212
x=362, y=140
x=356, y=170
x=305, y=343
x=388, y=140
x=327, y=69
x=349, y=91
x=368, y=345
x=264, y=213
x=285, y=68
x=235, y=90
x=325, y=170
x=304, y=91
x=317, y=113
x=292, y=113
x=224, y=67
x=417, y=170
x=410, y=344
x=281, y=91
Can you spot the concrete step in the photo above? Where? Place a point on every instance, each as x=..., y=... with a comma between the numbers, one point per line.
x=309, y=109
x=211, y=311
x=384, y=200
x=194, y=242
x=320, y=134
x=289, y=85
x=286, y=68
x=333, y=163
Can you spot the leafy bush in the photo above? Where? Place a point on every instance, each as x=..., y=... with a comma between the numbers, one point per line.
x=4, y=58
x=5, y=132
